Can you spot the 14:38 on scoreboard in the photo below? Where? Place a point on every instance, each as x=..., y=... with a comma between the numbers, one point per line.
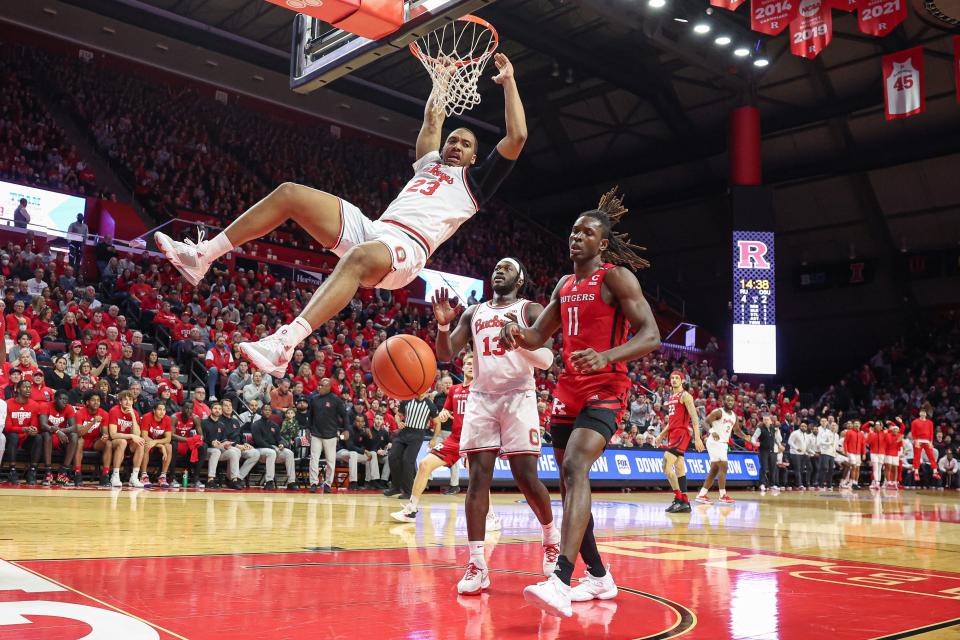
x=754, y=303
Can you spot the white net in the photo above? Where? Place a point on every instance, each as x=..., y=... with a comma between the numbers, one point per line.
x=455, y=56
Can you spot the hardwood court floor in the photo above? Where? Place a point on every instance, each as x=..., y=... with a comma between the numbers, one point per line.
x=202, y=565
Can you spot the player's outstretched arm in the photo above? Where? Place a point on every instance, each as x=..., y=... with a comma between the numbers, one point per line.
x=430, y=131
x=513, y=336
x=450, y=343
x=625, y=287
x=512, y=144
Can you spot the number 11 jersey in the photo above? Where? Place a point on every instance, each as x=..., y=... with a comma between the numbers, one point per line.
x=588, y=322
x=496, y=370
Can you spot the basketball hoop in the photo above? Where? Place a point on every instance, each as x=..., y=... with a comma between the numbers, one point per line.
x=454, y=55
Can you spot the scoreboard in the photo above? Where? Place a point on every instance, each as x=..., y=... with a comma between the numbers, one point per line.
x=754, y=303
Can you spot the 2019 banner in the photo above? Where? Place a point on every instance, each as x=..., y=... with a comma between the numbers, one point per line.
x=627, y=465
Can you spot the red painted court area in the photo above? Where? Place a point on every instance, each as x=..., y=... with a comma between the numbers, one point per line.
x=668, y=590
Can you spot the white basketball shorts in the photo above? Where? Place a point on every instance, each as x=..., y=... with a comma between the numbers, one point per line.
x=507, y=423
x=716, y=449
x=407, y=256
x=894, y=460
x=854, y=459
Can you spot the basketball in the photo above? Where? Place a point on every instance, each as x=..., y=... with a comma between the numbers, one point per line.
x=404, y=367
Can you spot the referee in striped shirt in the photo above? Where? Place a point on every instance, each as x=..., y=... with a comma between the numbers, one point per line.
x=418, y=422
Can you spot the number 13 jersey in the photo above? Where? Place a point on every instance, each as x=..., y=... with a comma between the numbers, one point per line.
x=497, y=370
x=588, y=322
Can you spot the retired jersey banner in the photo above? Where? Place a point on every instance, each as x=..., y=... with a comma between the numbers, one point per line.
x=772, y=16
x=903, y=83
x=812, y=30
x=880, y=17
x=729, y=5
x=956, y=63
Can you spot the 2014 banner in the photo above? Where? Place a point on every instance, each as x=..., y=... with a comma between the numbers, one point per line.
x=772, y=16
x=903, y=83
x=812, y=30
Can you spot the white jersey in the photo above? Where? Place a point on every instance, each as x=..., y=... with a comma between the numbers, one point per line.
x=903, y=89
x=724, y=426
x=496, y=370
x=434, y=204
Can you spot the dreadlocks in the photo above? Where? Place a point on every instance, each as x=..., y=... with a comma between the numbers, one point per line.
x=620, y=250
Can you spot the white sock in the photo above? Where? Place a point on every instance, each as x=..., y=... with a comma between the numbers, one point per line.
x=703, y=492
x=476, y=553
x=723, y=492
x=550, y=533
x=216, y=247
x=135, y=473
x=414, y=502
x=295, y=332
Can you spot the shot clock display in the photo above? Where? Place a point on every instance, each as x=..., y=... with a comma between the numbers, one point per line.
x=754, y=303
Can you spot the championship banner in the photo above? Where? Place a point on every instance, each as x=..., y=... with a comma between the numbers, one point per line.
x=729, y=5
x=625, y=464
x=956, y=64
x=812, y=30
x=903, y=83
x=880, y=17
x=772, y=16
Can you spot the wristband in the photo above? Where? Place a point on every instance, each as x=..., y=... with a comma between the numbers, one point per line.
x=443, y=327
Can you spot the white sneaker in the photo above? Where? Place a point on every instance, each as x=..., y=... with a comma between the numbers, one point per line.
x=405, y=515
x=551, y=595
x=493, y=521
x=187, y=257
x=550, y=554
x=269, y=354
x=593, y=588
x=474, y=581
x=115, y=480
x=135, y=482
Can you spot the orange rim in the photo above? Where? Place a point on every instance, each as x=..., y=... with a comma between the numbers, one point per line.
x=494, y=41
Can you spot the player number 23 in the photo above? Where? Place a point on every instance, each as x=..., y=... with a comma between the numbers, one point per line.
x=429, y=190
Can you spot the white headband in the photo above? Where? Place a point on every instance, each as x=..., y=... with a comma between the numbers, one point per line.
x=516, y=265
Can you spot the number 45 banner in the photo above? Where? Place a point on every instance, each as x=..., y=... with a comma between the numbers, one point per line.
x=903, y=83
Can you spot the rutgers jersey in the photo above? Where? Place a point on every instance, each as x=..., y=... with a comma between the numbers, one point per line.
x=183, y=428
x=589, y=322
x=456, y=404
x=21, y=415
x=56, y=418
x=83, y=415
x=724, y=426
x=434, y=204
x=124, y=421
x=497, y=370
x=677, y=415
x=154, y=429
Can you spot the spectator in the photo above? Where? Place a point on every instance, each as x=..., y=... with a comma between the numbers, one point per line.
x=948, y=470
x=327, y=418
x=219, y=361
x=281, y=398
x=219, y=449
x=266, y=439
x=258, y=389
x=21, y=217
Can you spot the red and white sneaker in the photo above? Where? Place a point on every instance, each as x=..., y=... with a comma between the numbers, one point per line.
x=593, y=588
x=474, y=581
x=269, y=354
x=726, y=499
x=187, y=257
x=704, y=500
x=550, y=554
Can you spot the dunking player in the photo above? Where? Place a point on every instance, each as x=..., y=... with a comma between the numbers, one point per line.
x=681, y=413
x=594, y=306
x=445, y=191
x=447, y=453
x=501, y=415
x=723, y=422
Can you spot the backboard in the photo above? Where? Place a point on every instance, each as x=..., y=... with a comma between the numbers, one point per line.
x=321, y=53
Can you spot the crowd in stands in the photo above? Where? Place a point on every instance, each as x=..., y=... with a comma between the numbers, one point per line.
x=33, y=148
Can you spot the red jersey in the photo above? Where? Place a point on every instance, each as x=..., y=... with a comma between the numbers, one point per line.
x=678, y=418
x=922, y=430
x=877, y=443
x=22, y=415
x=184, y=427
x=84, y=415
x=57, y=419
x=851, y=441
x=893, y=441
x=456, y=404
x=589, y=322
x=123, y=421
x=154, y=429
